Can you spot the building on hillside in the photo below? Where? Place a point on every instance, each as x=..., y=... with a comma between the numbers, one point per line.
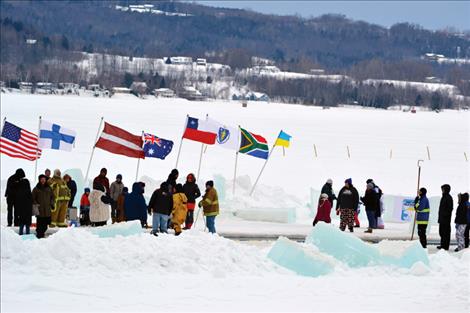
x=120, y=90
x=25, y=86
x=94, y=87
x=252, y=96
x=69, y=88
x=31, y=41
x=433, y=56
x=181, y=60
x=201, y=61
x=46, y=88
x=164, y=93
x=317, y=71
x=432, y=79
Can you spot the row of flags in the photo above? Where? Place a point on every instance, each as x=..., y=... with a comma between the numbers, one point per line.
x=19, y=143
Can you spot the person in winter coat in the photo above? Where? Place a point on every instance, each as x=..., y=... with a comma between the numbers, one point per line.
x=328, y=189
x=180, y=209
x=115, y=190
x=192, y=192
x=85, y=208
x=445, y=214
x=324, y=210
x=134, y=205
x=12, y=216
x=210, y=205
x=371, y=203
x=120, y=208
x=467, y=229
x=23, y=203
x=43, y=197
x=172, y=180
x=47, y=173
x=102, y=180
x=160, y=205
x=73, y=188
x=461, y=221
x=422, y=209
x=347, y=205
x=380, y=205
x=61, y=199
x=99, y=206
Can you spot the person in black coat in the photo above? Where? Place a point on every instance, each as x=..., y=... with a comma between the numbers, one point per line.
x=23, y=202
x=328, y=189
x=134, y=205
x=371, y=203
x=12, y=216
x=461, y=221
x=445, y=215
x=172, y=180
x=192, y=192
x=73, y=188
x=347, y=205
x=160, y=205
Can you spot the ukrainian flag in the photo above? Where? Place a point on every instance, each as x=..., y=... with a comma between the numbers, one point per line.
x=283, y=140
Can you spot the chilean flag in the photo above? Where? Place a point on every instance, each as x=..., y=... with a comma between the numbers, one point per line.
x=200, y=130
x=116, y=140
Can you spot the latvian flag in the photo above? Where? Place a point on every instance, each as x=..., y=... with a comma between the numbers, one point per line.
x=116, y=140
x=200, y=130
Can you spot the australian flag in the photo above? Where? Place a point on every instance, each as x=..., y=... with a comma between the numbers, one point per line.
x=155, y=147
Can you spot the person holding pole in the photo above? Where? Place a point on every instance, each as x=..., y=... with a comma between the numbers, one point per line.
x=422, y=209
x=210, y=205
x=192, y=192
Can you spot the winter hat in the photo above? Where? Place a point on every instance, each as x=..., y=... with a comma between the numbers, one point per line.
x=324, y=196
x=445, y=188
x=423, y=191
x=125, y=190
x=329, y=181
x=20, y=173
x=370, y=180
x=118, y=176
x=57, y=172
x=174, y=172
x=210, y=183
x=370, y=186
x=348, y=181
x=87, y=189
x=191, y=175
x=179, y=188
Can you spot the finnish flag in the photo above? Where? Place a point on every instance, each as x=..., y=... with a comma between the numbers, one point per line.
x=53, y=136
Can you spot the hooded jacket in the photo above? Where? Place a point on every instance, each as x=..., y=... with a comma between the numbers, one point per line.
x=12, y=180
x=23, y=201
x=348, y=198
x=99, y=204
x=370, y=200
x=422, y=208
x=191, y=190
x=461, y=214
x=134, y=204
x=161, y=201
x=44, y=197
x=328, y=189
x=210, y=202
x=445, y=206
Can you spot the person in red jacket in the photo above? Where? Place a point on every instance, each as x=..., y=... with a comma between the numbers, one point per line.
x=102, y=180
x=85, y=208
x=323, y=211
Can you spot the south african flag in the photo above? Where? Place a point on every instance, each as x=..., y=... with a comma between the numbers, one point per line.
x=254, y=145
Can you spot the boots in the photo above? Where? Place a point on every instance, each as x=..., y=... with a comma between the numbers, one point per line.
x=369, y=230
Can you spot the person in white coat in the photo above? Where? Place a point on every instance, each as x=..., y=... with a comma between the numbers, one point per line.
x=99, y=205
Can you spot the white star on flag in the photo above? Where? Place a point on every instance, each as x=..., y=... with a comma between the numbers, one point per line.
x=151, y=151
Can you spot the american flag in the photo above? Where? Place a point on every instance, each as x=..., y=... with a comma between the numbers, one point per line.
x=18, y=143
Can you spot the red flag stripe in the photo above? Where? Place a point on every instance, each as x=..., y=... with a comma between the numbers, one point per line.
x=17, y=155
x=14, y=147
x=114, y=147
x=121, y=133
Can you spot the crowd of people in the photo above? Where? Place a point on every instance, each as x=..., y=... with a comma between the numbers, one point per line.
x=171, y=205
x=348, y=207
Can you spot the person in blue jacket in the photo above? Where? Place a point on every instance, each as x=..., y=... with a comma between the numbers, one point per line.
x=422, y=209
x=135, y=206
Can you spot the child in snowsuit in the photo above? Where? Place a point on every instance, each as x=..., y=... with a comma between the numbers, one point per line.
x=85, y=208
x=180, y=208
x=323, y=211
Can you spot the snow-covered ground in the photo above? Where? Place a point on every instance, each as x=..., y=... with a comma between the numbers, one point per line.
x=76, y=271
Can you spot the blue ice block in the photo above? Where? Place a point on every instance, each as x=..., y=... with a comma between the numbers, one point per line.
x=300, y=259
x=120, y=229
x=356, y=253
x=29, y=237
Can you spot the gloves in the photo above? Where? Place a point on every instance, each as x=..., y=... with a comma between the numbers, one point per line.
x=199, y=204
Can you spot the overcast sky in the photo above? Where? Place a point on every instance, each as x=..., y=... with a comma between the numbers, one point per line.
x=429, y=14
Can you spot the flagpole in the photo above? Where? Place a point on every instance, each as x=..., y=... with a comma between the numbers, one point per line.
x=200, y=161
x=235, y=172
x=181, y=143
x=93, y=151
x=264, y=165
x=37, y=150
x=138, y=165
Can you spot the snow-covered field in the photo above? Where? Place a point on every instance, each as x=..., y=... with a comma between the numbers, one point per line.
x=76, y=271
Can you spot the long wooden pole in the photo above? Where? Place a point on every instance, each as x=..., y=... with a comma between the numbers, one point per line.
x=37, y=151
x=417, y=193
x=262, y=169
x=181, y=143
x=138, y=165
x=235, y=173
x=93, y=151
